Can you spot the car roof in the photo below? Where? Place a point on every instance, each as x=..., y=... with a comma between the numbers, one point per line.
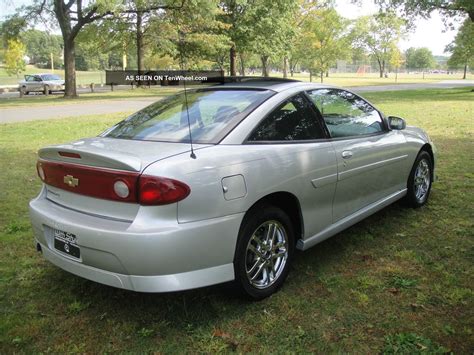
x=274, y=84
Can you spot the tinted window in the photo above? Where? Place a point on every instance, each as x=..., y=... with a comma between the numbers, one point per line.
x=346, y=114
x=211, y=112
x=294, y=120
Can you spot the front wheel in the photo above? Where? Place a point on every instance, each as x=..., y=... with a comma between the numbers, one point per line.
x=420, y=180
x=264, y=252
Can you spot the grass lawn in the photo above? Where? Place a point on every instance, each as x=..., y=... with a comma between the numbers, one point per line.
x=402, y=280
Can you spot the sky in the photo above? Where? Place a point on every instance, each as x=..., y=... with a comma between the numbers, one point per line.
x=428, y=33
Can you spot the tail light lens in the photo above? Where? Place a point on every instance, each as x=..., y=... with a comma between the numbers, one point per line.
x=154, y=190
x=110, y=184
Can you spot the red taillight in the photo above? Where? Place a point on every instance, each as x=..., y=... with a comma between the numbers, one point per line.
x=110, y=184
x=160, y=191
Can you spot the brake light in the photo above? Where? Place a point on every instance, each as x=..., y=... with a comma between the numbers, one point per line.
x=111, y=184
x=160, y=191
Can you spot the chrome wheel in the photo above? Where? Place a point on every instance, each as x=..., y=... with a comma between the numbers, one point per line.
x=266, y=254
x=422, y=180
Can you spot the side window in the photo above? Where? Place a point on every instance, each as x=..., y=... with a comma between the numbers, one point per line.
x=346, y=114
x=294, y=120
x=38, y=78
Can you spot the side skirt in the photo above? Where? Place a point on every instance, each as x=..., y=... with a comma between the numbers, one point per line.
x=348, y=221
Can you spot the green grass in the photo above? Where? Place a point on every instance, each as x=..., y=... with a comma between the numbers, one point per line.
x=398, y=282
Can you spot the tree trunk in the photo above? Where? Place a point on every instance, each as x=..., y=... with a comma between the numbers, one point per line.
x=465, y=71
x=139, y=43
x=380, y=67
x=285, y=67
x=233, y=71
x=327, y=74
x=292, y=67
x=264, y=59
x=310, y=76
x=70, y=68
x=322, y=76
x=242, y=64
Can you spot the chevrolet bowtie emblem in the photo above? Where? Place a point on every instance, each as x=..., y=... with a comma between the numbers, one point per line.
x=71, y=181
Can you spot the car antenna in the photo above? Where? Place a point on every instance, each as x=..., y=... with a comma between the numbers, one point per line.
x=181, y=39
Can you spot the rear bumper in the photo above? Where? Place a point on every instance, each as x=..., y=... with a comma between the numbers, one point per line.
x=162, y=283
x=159, y=256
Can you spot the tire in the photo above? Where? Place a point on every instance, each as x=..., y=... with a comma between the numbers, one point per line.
x=264, y=252
x=420, y=180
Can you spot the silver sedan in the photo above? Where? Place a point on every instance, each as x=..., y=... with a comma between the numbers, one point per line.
x=45, y=83
x=223, y=184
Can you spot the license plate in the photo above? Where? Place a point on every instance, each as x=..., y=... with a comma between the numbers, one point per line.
x=66, y=243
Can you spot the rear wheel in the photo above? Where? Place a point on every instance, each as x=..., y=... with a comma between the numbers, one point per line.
x=264, y=252
x=420, y=180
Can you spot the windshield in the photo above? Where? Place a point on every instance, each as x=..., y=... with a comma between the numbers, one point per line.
x=50, y=77
x=212, y=114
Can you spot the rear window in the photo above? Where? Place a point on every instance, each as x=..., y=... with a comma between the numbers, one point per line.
x=212, y=114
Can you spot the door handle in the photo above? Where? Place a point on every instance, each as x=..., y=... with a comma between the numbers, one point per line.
x=347, y=154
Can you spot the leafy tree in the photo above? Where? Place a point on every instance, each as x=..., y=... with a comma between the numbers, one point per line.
x=14, y=61
x=41, y=45
x=462, y=47
x=193, y=37
x=419, y=58
x=378, y=34
x=326, y=40
x=12, y=28
x=270, y=28
x=424, y=8
x=396, y=60
x=72, y=16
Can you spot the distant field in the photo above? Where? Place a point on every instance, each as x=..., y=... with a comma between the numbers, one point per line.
x=340, y=79
x=399, y=282
x=369, y=79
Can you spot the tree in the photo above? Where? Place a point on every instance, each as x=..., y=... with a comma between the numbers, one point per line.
x=378, y=34
x=462, y=47
x=72, y=16
x=396, y=60
x=419, y=58
x=326, y=40
x=12, y=28
x=14, y=61
x=424, y=8
x=270, y=29
x=41, y=45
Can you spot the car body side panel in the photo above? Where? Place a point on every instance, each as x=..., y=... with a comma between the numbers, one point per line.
x=307, y=170
x=377, y=168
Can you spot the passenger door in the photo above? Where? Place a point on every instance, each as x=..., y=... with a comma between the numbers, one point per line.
x=370, y=157
x=298, y=137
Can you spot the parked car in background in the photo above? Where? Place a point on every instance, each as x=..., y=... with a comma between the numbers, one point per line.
x=222, y=184
x=45, y=83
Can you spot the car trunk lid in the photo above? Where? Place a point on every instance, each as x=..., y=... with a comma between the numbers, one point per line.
x=81, y=175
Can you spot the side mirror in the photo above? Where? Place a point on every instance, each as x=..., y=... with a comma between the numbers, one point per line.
x=397, y=123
